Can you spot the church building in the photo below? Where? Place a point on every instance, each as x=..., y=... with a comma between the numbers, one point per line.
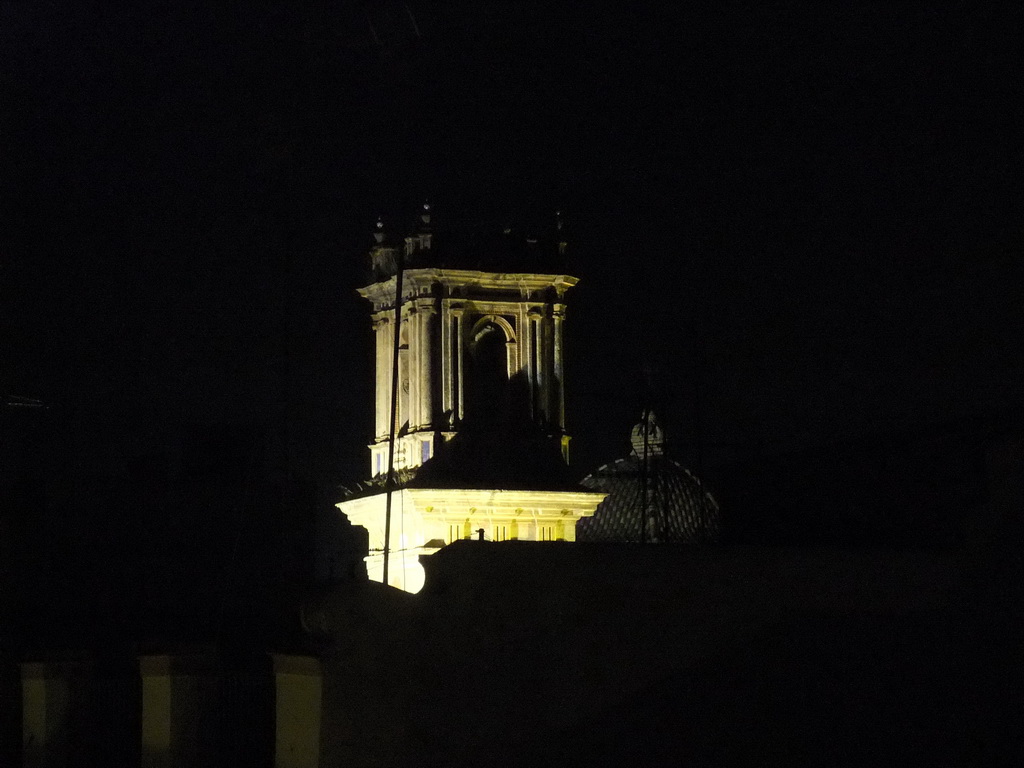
x=480, y=443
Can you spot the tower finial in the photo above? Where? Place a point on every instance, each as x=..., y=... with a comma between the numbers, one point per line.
x=563, y=244
x=647, y=436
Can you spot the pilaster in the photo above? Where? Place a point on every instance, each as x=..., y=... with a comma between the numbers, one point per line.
x=404, y=380
x=412, y=366
x=558, y=318
x=382, y=334
x=425, y=344
x=447, y=374
x=459, y=315
x=536, y=357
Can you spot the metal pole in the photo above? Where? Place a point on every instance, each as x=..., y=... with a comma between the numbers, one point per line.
x=643, y=478
x=394, y=412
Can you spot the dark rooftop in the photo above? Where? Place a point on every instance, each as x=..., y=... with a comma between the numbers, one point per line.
x=482, y=246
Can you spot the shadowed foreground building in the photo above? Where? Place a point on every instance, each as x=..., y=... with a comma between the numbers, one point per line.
x=534, y=653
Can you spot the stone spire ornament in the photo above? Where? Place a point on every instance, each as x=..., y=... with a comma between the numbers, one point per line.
x=647, y=437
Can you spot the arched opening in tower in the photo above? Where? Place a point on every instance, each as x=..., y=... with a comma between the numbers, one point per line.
x=487, y=374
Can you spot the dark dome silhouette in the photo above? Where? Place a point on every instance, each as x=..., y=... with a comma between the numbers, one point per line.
x=678, y=507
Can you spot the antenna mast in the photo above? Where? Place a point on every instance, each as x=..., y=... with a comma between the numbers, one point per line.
x=400, y=264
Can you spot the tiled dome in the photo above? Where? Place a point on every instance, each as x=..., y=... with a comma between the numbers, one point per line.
x=679, y=509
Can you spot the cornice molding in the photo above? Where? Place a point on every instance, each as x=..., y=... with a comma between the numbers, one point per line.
x=418, y=281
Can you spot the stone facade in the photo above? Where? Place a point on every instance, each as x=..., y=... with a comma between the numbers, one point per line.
x=426, y=519
x=446, y=315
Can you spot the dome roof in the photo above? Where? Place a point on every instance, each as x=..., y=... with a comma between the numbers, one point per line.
x=679, y=509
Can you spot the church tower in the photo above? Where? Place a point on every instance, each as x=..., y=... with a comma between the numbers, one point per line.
x=481, y=446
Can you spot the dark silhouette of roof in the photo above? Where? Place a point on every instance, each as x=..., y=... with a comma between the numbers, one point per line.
x=499, y=447
x=480, y=246
x=493, y=250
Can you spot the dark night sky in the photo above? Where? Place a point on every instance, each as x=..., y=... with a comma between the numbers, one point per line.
x=818, y=210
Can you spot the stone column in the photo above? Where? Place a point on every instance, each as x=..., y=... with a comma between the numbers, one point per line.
x=536, y=364
x=558, y=317
x=426, y=373
x=385, y=339
x=547, y=346
x=412, y=368
x=447, y=377
x=526, y=353
x=458, y=313
x=403, y=415
x=381, y=327
x=511, y=357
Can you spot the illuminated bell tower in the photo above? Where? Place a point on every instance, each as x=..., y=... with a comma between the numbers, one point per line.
x=477, y=349
x=459, y=328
